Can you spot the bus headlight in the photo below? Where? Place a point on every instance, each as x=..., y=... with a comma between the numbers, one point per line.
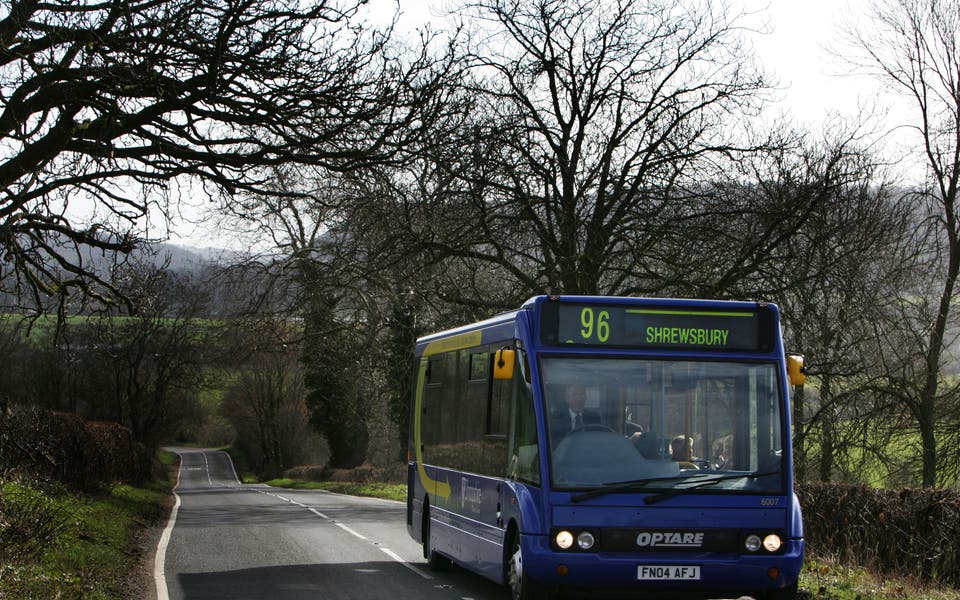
x=585, y=540
x=564, y=540
x=772, y=542
x=752, y=543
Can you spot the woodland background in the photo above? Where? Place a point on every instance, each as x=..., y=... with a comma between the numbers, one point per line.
x=391, y=187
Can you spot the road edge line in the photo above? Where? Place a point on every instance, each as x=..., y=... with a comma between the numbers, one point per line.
x=233, y=467
x=158, y=571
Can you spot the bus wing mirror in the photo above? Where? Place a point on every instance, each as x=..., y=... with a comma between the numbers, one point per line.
x=503, y=363
x=796, y=371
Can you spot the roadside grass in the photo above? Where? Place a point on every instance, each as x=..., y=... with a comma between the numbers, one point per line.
x=389, y=491
x=60, y=544
x=168, y=459
x=824, y=579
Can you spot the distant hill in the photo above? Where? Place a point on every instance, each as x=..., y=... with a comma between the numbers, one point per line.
x=182, y=260
x=185, y=259
x=177, y=258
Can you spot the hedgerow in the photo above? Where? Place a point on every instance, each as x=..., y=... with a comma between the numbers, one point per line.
x=908, y=532
x=84, y=455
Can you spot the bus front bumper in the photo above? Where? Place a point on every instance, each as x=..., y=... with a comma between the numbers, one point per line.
x=685, y=574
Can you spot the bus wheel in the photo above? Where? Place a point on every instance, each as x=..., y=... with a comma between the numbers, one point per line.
x=787, y=593
x=521, y=586
x=435, y=560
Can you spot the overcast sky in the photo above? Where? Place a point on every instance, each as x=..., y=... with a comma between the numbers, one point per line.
x=796, y=41
x=801, y=50
x=801, y=44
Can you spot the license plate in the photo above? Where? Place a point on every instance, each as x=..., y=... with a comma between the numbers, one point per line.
x=668, y=573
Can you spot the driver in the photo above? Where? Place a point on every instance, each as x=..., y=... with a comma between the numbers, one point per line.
x=574, y=414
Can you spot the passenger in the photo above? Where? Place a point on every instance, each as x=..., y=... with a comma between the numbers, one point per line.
x=647, y=444
x=722, y=452
x=681, y=450
x=631, y=429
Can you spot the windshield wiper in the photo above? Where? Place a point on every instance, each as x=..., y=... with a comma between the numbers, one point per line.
x=677, y=491
x=623, y=486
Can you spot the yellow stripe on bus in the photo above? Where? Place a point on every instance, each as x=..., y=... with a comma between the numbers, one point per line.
x=436, y=488
x=448, y=344
x=457, y=342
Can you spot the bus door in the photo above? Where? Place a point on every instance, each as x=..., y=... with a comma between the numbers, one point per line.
x=480, y=494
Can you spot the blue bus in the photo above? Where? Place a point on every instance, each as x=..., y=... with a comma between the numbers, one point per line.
x=629, y=446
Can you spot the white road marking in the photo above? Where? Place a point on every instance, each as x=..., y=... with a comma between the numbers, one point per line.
x=396, y=557
x=350, y=531
x=207, y=465
x=160, y=558
x=400, y=560
x=232, y=468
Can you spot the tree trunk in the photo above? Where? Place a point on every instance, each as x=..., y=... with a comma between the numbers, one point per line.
x=827, y=432
x=927, y=414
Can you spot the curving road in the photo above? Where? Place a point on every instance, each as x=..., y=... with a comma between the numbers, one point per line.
x=236, y=541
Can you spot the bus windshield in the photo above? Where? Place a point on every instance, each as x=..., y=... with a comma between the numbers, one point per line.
x=664, y=424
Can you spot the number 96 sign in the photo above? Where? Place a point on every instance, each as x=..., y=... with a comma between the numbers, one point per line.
x=594, y=326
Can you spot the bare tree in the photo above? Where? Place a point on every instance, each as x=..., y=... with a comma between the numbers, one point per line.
x=914, y=47
x=146, y=370
x=578, y=120
x=108, y=108
x=849, y=267
x=752, y=232
x=266, y=403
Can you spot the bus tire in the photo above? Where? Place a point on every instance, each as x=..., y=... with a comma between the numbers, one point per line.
x=435, y=560
x=787, y=593
x=521, y=587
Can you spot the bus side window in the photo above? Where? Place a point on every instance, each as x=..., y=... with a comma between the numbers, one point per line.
x=524, y=454
x=431, y=407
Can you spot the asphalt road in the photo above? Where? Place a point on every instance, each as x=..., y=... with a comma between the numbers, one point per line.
x=252, y=541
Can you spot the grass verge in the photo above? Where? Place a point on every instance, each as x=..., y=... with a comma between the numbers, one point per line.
x=826, y=580
x=59, y=544
x=168, y=459
x=389, y=491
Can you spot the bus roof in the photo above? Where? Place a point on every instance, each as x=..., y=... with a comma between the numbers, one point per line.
x=501, y=326
x=635, y=300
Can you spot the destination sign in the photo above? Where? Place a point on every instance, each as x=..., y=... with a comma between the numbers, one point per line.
x=654, y=327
